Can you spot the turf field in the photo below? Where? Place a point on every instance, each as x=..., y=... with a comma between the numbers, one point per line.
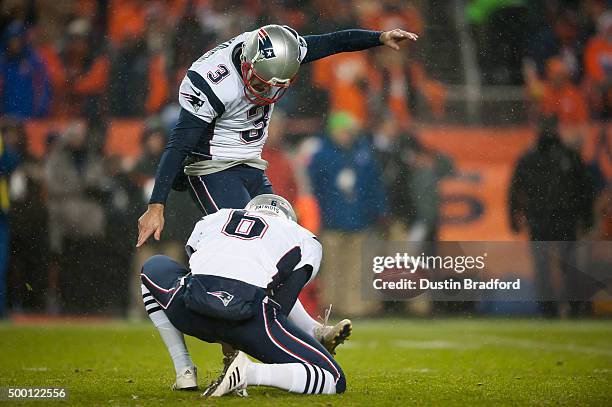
x=387, y=362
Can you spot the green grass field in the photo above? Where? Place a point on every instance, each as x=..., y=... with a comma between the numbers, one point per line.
x=387, y=362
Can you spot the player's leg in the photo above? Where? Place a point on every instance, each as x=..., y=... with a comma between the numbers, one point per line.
x=223, y=189
x=302, y=319
x=159, y=277
x=292, y=360
x=286, y=294
x=288, y=343
x=240, y=372
x=257, y=182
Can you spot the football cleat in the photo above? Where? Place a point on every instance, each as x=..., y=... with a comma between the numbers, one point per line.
x=187, y=379
x=330, y=336
x=233, y=378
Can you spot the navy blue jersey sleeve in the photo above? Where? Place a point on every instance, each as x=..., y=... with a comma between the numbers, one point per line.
x=321, y=46
x=183, y=139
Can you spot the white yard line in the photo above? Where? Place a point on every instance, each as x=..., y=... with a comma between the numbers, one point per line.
x=540, y=345
x=482, y=341
x=433, y=344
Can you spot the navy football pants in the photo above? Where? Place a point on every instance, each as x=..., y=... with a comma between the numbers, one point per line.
x=231, y=188
x=268, y=336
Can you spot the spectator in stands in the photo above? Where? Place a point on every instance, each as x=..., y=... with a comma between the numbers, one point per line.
x=16, y=10
x=499, y=27
x=9, y=160
x=185, y=52
x=349, y=80
x=153, y=141
x=552, y=191
x=393, y=92
x=87, y=71
x=139, y=84
x=56, y=71
x=394, y=148
x=27, y=273
x=326, y=18
x=561, y=98
x=593, y=9
x=50, y=37
x=24, y=85
x=387, y=14
x=75, y=178
x=557, y=96
x=280, y=170
x=597, y=57
x=598, y=68
x=412, y=174
x=121, y=200
x=561, y=38
x=347, y=182
x=428, y=169
x=405, y=89
x=218, y=23
x=127, y=19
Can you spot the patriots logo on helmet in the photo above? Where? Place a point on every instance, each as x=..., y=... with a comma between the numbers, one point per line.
x=224, y=296
x=265, y=45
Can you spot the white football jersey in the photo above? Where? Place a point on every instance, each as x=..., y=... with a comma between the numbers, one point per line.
x=251, y=246
x=213, y=91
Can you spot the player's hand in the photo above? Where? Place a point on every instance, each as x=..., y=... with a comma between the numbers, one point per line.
x=151, y=223
x=393, y=38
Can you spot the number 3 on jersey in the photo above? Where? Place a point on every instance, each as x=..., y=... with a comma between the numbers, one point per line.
x=220, y=73
x=251, y=136
x=243, y=226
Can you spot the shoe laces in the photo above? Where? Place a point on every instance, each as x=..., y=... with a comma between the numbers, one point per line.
x=228, y=357
x=327, y=314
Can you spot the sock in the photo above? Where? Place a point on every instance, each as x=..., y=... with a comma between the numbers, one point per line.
x=293, y=377
x=302, y=319
x=172, y=337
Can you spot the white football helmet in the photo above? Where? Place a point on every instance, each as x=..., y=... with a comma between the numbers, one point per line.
x=272, y=204
x=271, y=57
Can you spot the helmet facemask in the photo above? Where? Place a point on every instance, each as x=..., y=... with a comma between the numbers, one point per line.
x=275, y=89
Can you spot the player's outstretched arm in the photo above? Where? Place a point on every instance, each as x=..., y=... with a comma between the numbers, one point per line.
x=183, y=139
x=321, y=46
x=395, y=37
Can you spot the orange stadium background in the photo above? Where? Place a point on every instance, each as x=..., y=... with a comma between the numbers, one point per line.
x=484, y=159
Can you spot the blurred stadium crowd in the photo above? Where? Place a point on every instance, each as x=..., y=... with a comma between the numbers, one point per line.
x=88, y=96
